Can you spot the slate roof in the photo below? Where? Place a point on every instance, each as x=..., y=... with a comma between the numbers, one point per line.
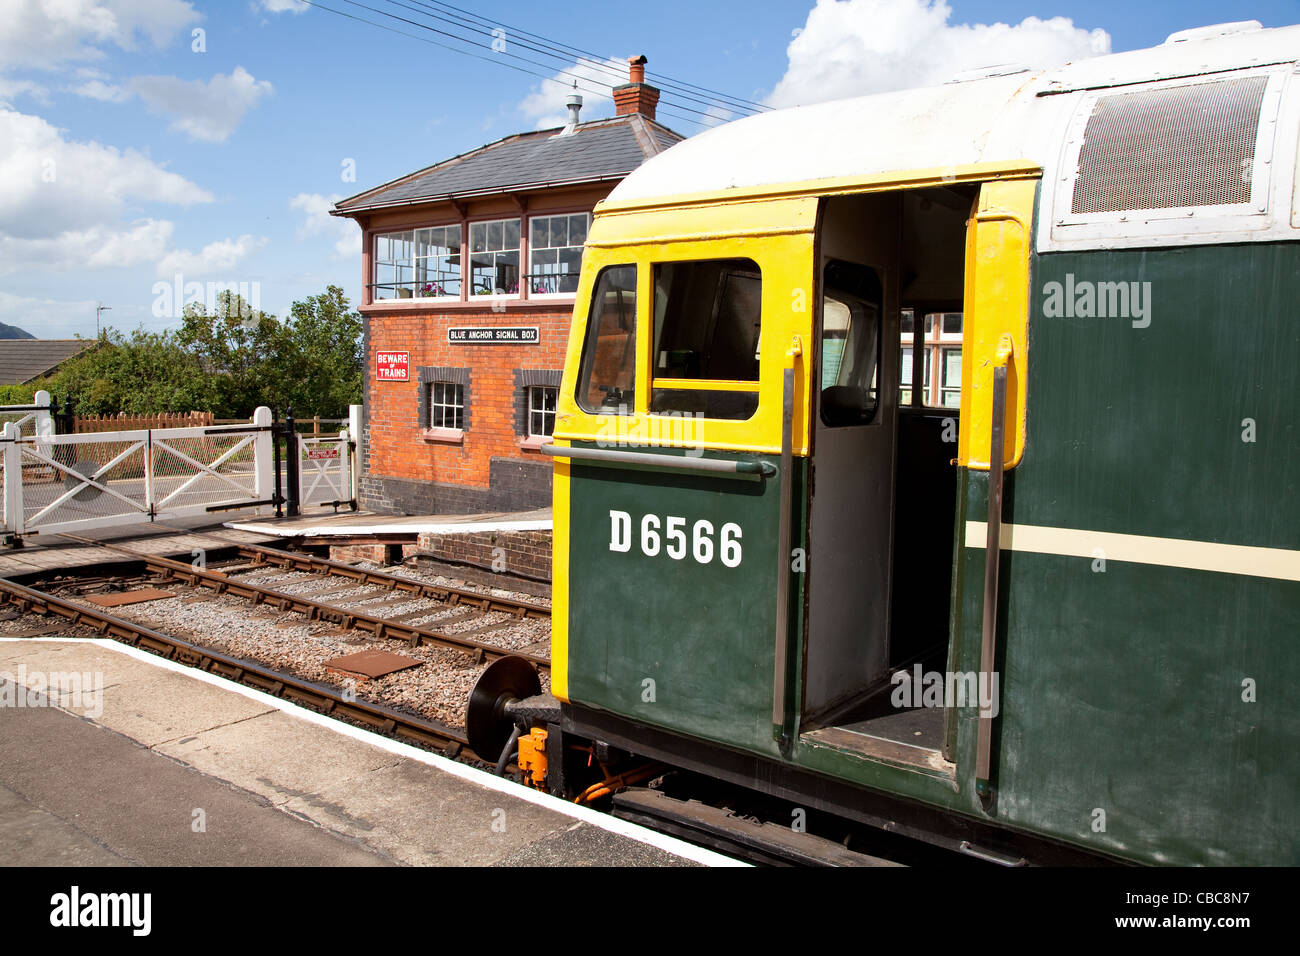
x=22, y=360
x=594, y=152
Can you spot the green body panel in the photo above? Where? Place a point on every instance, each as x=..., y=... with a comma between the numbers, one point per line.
x=1139, y=430
x=704, y=633
x=1122, y=689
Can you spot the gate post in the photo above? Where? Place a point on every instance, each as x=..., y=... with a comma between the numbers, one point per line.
x=292, y=453
x=13, y=482
x=263, y=456
x=354, y=433
x=44, y=423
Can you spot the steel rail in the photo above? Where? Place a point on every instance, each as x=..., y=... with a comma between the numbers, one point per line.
x=328, y=701
x=317, y=611
x=441, y=592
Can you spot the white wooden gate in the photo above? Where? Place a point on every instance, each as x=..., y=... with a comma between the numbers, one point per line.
x=325, y=471
x=56, y=483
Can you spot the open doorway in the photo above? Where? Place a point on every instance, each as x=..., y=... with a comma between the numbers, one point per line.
x=883, y=486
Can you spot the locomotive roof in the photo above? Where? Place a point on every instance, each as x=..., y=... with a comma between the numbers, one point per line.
x=1008, y=117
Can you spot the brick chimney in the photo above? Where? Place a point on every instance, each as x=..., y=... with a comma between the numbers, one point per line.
x=636, y=96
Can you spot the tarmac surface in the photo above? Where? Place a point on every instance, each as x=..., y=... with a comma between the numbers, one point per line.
x=150, y=763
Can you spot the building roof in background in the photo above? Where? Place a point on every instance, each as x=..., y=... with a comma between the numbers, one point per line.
x=601, y=150
x=23, y=360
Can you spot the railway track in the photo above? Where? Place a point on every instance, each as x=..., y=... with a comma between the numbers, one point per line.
x=390, y=628
x=337, y=703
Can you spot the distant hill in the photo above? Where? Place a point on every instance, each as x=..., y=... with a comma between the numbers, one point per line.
x=13, y=332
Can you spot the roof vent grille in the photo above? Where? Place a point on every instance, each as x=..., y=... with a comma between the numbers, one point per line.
x=1170, y=148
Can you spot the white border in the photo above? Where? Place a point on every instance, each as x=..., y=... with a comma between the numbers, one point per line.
x=604, y=821
x=392, y=527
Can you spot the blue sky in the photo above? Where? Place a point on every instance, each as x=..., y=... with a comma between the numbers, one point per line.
x=126, y=155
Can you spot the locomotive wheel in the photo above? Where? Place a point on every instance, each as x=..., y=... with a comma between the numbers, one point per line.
x=487, y=724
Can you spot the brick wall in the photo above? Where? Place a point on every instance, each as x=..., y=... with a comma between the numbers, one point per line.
x=404, y=472
x=522, y=552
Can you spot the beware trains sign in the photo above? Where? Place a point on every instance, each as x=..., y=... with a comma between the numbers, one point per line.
x=392, y=366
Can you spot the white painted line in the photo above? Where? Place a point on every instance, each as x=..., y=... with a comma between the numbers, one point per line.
x=1140, y=549
x=407, y=527
x=489, y=781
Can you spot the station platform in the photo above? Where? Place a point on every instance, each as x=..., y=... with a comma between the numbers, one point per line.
x=179, y=539
x=148, y=762
x=364, y=524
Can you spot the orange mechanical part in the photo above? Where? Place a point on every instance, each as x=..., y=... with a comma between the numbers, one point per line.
x=532, y=758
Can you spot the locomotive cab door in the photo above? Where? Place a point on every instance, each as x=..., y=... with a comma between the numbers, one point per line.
x=882, y=510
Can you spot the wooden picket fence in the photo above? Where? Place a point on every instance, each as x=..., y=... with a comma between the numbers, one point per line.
x=125, y=422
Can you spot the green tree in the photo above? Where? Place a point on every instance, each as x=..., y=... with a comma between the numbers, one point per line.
x=324, y=354
x=227, y=361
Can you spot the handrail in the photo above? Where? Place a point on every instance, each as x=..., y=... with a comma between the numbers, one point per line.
x=988, y=642
x=681, y=463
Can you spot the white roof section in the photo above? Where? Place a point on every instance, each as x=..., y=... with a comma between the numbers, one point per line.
x=996, y=118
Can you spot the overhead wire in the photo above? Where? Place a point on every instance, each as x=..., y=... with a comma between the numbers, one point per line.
x=589, y=84
x=563, y=51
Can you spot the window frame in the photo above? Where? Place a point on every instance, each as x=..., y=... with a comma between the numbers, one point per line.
x=518, y=250
x=429, y=378
x=529, y=276
x=410, y=263
x=531, y=410
x=586, y=356
x=736, y=388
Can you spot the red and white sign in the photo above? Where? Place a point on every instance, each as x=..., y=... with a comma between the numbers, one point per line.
x=392, y=366
x=322, y=454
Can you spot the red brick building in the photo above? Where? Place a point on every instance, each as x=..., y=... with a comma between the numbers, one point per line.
x=470, y=268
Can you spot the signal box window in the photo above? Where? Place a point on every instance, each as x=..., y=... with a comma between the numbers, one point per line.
x=555, y=253
x=494, y=257
x=850, y=344
x=607, y=381
x=708, y=316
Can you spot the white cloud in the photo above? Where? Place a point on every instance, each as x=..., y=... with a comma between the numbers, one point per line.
x=99, y=90
x=11, y=89
x=46, y=318
x=50, y=185
x=283, y=6
x=44, y=34
x=317, y=221
x=854, y=47
x=215, y=257
x=545, y=104
x=98, y=247
x=64, y=204
x=208, y=112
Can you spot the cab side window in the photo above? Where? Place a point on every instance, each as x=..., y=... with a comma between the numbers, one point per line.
x=850, y=344
x=607, y=380
x=707, y=325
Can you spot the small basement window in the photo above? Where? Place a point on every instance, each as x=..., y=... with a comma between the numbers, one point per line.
x=541, y=410
x=446, y=405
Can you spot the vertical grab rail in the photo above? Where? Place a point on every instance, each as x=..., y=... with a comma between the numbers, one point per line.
x=779, y=684
x=992, y=554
